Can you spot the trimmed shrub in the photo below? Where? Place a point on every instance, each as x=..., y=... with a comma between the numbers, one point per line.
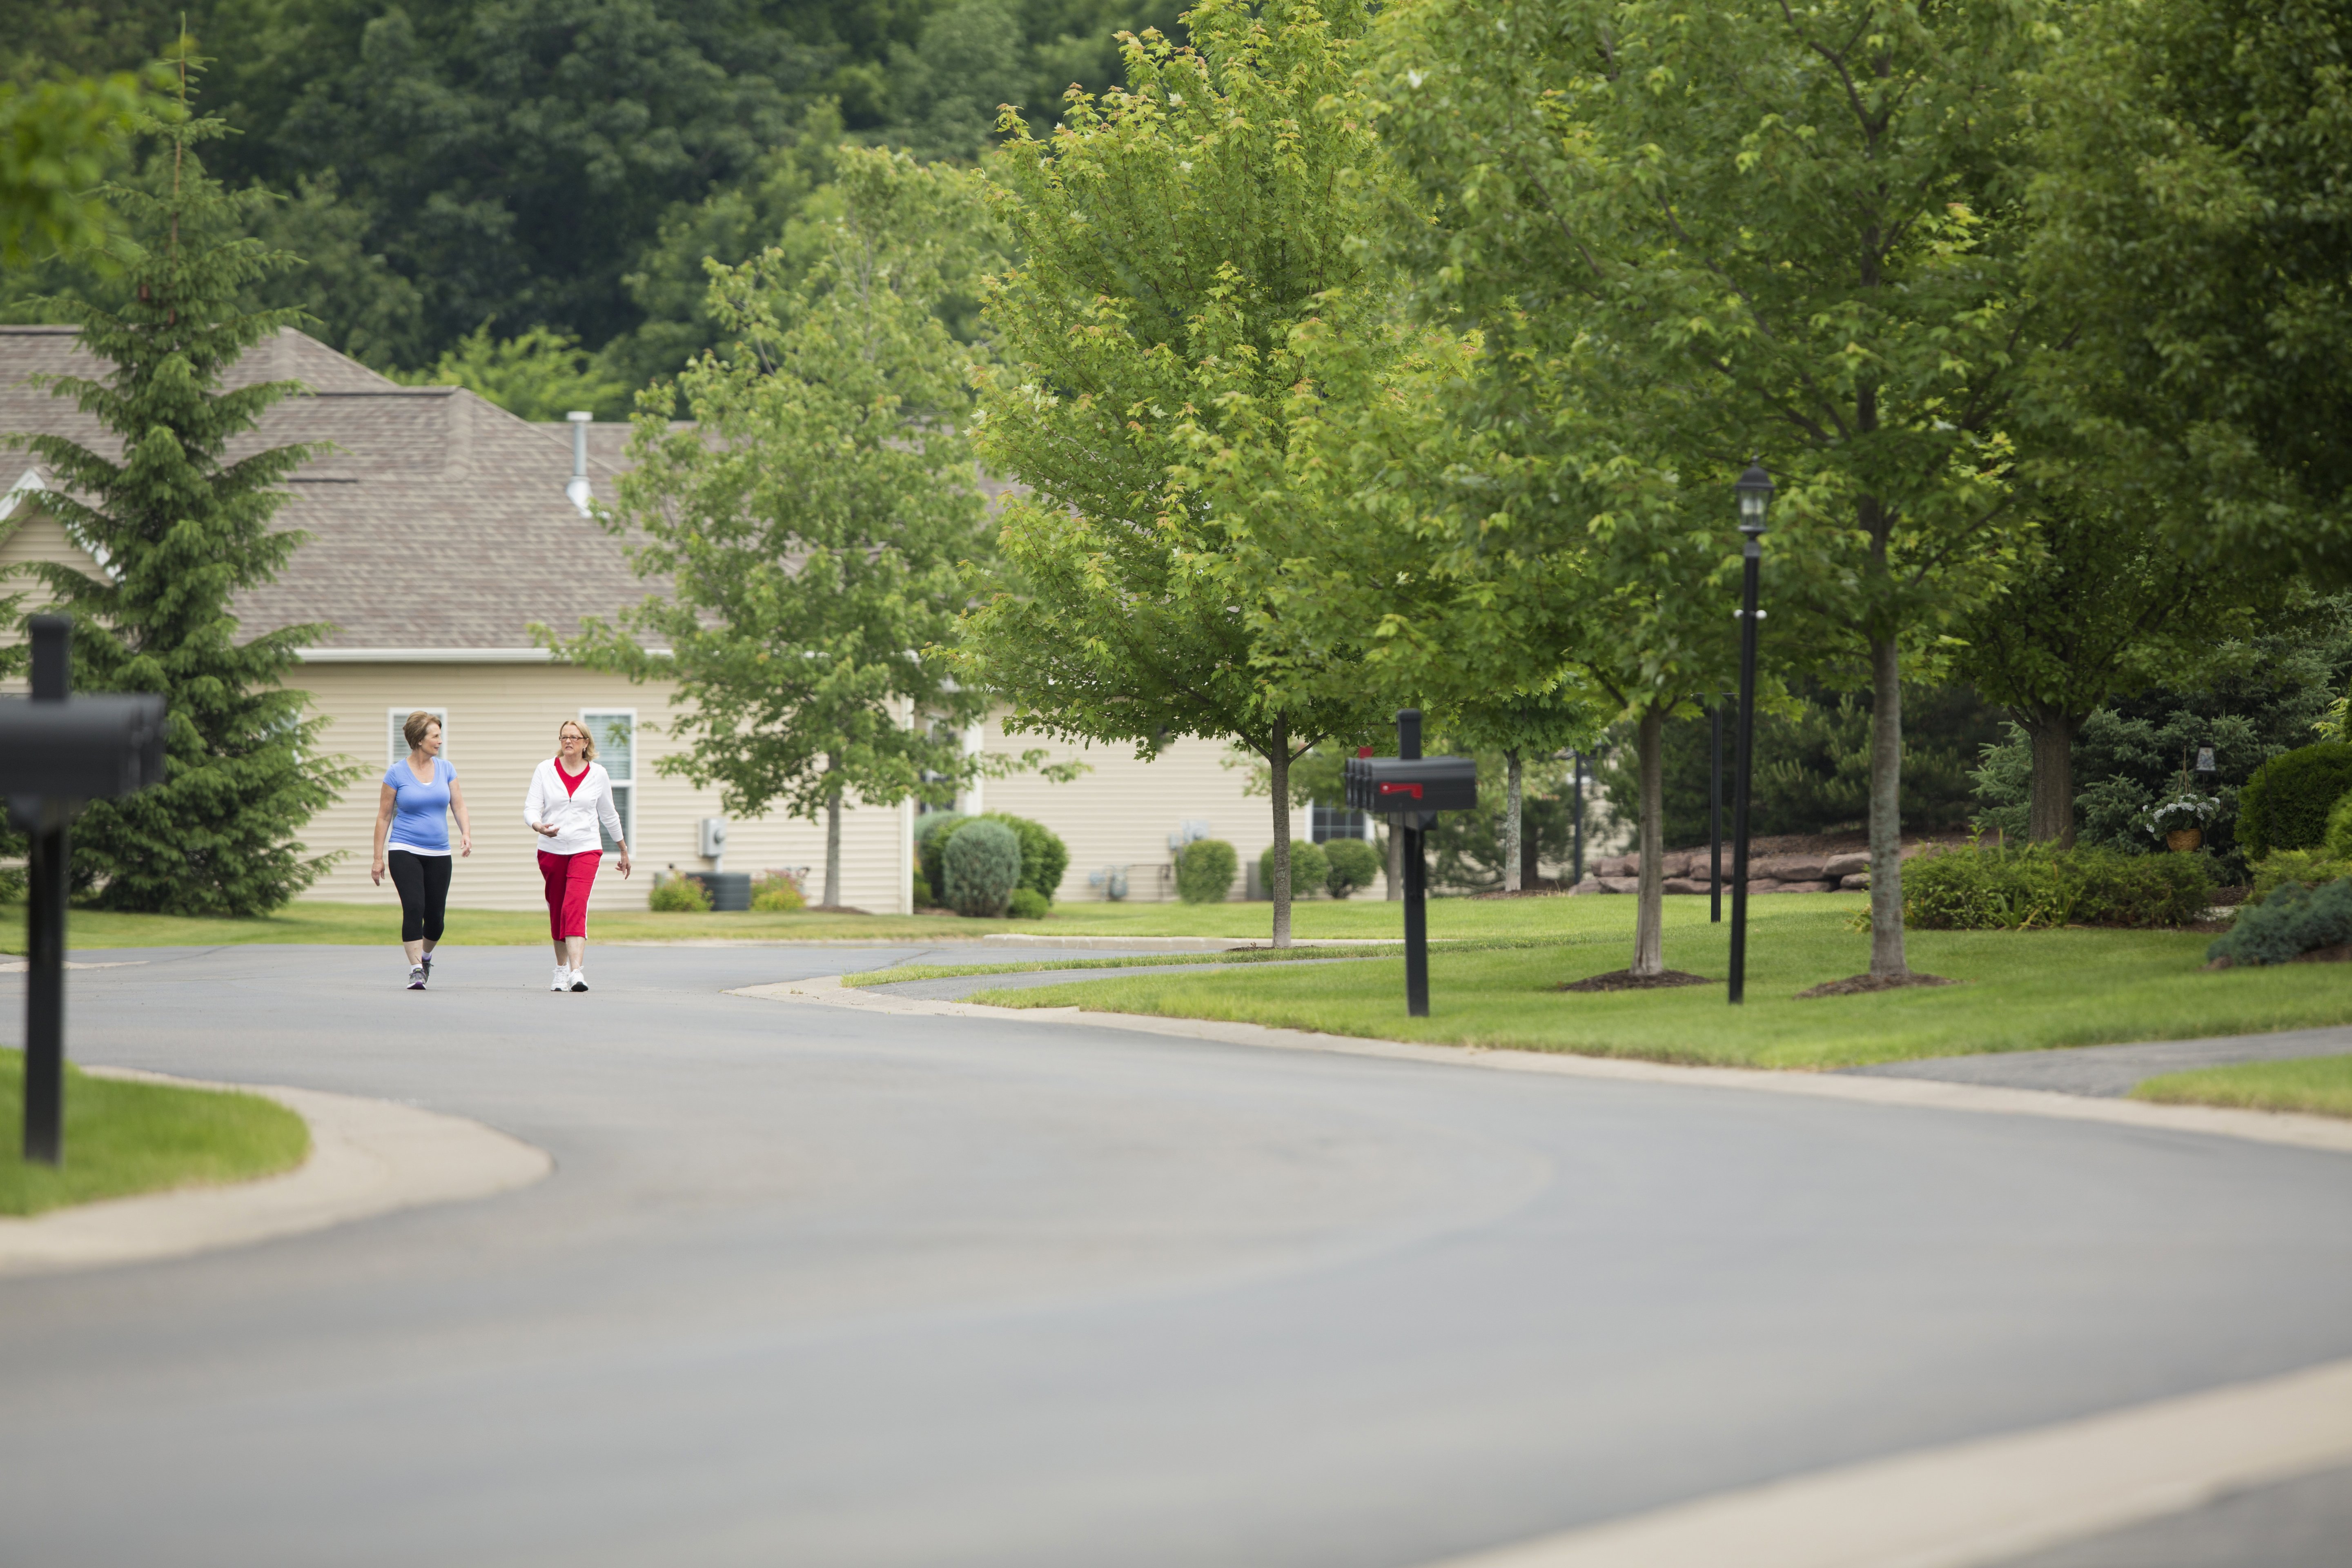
x=932, y=830
x=2293, y=921
x=1307, y=868
x=2036, y=887
x=2337, y=839
x=2309, y=867
x=1027, y=903
x=982, y=863
x=1204, y=871
x=2285, y=805
x=1352, y=865
x=1043, y=855
x=773, y=893
x=923, y=891
x=677, y=895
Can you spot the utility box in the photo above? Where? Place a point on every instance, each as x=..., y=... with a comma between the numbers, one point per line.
x=711, y=838
x=1390, y=785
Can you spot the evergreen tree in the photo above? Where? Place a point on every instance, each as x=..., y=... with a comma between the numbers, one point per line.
x=180, y=530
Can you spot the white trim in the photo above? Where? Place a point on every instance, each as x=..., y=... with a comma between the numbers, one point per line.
x=29, y=483
x=628, y=813
x=437, y=656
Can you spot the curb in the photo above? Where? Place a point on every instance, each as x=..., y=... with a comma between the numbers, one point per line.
x=367, y=1157
x=2291, y=1129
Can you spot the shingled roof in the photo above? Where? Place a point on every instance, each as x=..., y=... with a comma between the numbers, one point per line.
x=437, y=520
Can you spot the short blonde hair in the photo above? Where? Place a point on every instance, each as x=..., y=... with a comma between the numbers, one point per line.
x=413, y=730
x=588, y=751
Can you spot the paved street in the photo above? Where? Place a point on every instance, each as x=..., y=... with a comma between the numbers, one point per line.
x=821, y=1287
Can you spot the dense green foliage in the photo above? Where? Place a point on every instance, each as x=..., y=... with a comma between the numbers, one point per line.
x=2308, y=867
x=2037, y=887
x=1310, y=868
x=676, y=894
x=932, y=829
x=1204, y=871
x=1027, y=903
x=1813, y=764
x=982, y=864
x=2294, y=919
x=1043, y=855
x=1350, y=864
x=2285, y=805
x=810, y=526
x=447, y=163
x=181, y=527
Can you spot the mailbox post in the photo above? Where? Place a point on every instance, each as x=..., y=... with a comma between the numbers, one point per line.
x=1410, y=790
x=56, y=753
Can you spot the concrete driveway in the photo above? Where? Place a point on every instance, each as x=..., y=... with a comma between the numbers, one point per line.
x=812, y=1287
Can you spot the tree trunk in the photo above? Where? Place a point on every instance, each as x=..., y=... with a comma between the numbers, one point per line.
x=833, y=840
x=1278, y=760
x=2050, y=814
x=1512, y=870
x=1396, y=862
x=1649, y=916
x=1886, y=960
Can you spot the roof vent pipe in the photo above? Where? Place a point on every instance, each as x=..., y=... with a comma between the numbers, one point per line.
x=578, y=488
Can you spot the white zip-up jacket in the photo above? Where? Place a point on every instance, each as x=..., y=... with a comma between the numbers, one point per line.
x=574, y=814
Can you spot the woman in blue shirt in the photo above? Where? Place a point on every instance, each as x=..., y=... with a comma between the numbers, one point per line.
x=411, y=840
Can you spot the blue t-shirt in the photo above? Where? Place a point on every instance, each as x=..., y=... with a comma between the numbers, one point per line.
x=420, y=813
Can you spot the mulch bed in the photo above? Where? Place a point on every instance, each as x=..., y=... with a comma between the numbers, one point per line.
x=1857, y=985
x=1626, y=980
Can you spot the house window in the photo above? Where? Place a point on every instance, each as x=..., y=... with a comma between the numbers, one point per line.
x=1329, y=822
x=396, y=717
x=616, y=735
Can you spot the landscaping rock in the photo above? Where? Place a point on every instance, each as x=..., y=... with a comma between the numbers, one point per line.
x=1687, y=884
x=1788, y=868
x=1621, y=884
x=1844, y=866
x=1859, y=882
x=1817, y=886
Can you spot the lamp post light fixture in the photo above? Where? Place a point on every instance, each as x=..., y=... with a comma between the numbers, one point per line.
x=1755, y=492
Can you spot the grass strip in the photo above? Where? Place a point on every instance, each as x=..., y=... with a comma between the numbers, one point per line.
x=2019, y=991
x=125, y=1136
x=1160, y=960
x=618, y=914
x=2319, y=1085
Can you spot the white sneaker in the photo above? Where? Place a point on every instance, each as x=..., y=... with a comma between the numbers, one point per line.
x=416, y=978
x=562, y=981
x=580, y=980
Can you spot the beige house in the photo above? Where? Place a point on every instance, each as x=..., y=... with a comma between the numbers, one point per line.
x=441, y=530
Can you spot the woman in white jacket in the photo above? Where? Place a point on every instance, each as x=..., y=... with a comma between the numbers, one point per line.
x=570, y=794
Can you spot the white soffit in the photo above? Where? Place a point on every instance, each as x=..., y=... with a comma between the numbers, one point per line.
x=435, y=655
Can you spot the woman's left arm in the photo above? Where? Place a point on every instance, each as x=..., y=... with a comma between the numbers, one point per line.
x=610, y=815
x=457, y=810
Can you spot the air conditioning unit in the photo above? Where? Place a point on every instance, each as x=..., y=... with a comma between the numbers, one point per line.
x=712, y=838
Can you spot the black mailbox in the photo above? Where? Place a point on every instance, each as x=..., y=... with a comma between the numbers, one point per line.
x=1412, y=783
x=91, y=748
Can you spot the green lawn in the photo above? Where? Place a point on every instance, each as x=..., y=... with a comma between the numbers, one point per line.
x=2319, y=1084
x=123, y=1137
x=626, y=918
x=2021, y=990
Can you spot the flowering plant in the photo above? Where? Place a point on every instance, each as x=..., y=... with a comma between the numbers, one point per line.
x=2182, y=808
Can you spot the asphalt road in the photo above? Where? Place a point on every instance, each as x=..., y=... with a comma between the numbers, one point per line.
x=816, y=1288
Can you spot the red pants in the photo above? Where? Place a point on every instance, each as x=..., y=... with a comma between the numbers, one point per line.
x=569, y=879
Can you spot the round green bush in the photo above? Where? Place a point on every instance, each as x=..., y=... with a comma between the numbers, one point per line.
x=932, y=831
x=1028, y=903
x=1307, y=868
x=677, y=895
x=1353, y=864
x=1204, y=871
x=2337, y=839
x=2285, y=805
x=2293, y=921
x=1043, y=855
x=982, y=864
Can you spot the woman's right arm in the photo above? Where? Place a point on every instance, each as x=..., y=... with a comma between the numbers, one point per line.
x=384, y=809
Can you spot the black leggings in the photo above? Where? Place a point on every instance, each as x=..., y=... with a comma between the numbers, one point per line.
x=423, y=884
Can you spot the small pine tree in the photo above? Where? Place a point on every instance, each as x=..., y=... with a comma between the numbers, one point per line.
x=180, y=530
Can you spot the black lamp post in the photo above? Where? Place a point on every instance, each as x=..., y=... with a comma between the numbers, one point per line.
x=1755, y=488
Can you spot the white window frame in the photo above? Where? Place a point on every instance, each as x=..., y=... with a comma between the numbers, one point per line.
x=395, y=717
x=624, y=805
